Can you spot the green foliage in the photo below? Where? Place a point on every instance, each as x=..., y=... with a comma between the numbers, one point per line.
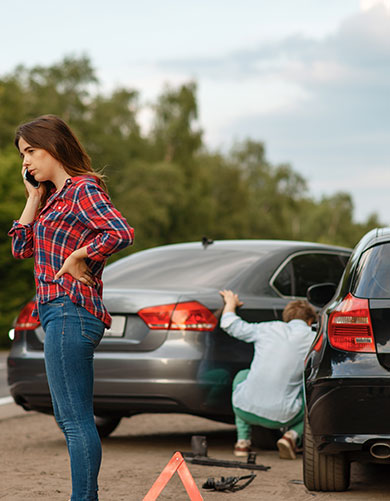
x=166, y=182
x=16, y=277
x=173, y=134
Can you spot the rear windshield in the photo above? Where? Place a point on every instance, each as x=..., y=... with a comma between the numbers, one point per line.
x=179, y=268
x=372, y=278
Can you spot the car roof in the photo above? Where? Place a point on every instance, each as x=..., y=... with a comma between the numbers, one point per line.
x=373, y=237
x=253, y=245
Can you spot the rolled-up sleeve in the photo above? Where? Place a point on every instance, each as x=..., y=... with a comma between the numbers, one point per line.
x=22, y=240
x=96, y=211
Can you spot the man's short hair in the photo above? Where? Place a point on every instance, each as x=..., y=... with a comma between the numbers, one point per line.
x=299, y=309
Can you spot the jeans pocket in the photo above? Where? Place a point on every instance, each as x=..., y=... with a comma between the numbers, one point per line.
x=54, y=304
x=52, y=311
x=91, y=327
x=93, y=335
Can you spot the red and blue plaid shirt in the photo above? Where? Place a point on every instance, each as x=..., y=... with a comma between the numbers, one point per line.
x=81, y=214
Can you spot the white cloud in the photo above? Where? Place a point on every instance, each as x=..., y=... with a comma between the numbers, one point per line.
x=322, y=105
x=369, y=4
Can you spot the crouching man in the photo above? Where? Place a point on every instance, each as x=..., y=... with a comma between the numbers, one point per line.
x=270, y=392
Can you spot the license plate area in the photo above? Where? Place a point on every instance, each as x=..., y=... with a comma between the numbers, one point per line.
x=117, y=329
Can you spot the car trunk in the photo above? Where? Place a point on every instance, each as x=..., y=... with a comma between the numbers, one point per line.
x=128, y=331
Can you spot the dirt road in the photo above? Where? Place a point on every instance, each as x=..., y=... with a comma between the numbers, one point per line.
x=34, y=463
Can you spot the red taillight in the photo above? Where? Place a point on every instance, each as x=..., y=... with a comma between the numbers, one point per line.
x=183, y=316
x=25, y=321
x=157, y=317
x=350, y=327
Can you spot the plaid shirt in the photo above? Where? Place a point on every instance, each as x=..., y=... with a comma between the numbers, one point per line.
x=81, y=214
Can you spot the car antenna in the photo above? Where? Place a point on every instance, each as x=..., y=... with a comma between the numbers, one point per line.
x=206, y=242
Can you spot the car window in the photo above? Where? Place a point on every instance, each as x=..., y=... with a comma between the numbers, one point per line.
x=304, y=270
x=372, y=278
x=173, y=268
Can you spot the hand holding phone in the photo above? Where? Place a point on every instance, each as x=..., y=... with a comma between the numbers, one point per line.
x=31, y=179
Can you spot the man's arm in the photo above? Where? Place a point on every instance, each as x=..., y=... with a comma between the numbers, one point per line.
x=233, y=324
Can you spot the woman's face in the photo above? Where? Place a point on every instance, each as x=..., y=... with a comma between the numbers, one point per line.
x=39, y=162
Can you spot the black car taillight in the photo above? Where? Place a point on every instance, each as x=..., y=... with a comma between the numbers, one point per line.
x=350, y=327
x=25, y=320
x=190, y=315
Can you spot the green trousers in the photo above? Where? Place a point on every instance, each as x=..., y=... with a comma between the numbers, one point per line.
x=244, y=420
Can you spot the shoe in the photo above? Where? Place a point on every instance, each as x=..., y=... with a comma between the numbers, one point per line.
x=287, y=447
x=242, y=447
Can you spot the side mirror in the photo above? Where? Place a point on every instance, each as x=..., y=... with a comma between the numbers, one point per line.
x=320, y=294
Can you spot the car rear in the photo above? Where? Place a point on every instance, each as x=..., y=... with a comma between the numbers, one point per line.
x=347, y=374
x=164, y=351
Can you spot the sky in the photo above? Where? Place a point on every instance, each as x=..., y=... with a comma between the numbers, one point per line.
x=309, y=78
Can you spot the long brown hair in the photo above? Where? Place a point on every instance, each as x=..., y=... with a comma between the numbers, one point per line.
x=52, y=134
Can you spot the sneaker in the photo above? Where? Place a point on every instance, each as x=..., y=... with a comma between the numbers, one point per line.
x=287, y=447
x=242, y=447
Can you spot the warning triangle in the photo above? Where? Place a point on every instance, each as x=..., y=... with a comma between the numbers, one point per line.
x=176, y=463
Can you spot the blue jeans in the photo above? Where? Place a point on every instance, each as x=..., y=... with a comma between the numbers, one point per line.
x=71, y=336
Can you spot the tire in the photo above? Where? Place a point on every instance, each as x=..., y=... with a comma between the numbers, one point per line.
x=323, y=472
x=265, y=438
x=106, y=425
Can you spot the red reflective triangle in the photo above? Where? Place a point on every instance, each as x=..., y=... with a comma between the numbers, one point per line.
x=176, y=463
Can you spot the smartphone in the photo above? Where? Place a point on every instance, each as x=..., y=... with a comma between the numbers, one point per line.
x=31, y=179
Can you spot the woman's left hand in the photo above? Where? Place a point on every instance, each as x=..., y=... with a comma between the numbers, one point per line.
x=77, y=267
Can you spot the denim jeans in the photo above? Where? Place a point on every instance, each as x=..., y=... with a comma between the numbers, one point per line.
x=71, y=336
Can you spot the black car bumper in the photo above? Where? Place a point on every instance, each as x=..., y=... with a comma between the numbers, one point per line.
x=346, y=414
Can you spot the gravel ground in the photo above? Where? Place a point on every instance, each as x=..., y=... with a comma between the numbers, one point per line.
x=34, y=462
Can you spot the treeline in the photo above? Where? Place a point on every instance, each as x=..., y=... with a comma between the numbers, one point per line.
x=166, y=182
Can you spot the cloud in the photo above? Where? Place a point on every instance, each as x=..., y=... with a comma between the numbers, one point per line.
x=361, y=43
x=369, y=4
x=321, y=104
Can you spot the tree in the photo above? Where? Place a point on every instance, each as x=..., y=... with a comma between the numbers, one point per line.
x=16, y=277
x=168, y=185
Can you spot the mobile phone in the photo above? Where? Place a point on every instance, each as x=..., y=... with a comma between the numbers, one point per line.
x=31, y=179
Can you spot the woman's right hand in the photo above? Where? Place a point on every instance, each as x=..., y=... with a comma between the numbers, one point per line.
x=32, y=203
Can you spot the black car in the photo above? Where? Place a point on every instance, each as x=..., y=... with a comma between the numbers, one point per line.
x=347, y=372
x=165, y=351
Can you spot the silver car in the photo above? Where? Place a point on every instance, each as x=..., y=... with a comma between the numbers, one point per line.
x=165, y=351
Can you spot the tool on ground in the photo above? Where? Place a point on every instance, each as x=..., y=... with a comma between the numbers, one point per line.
x=228, y=484
x=199, y=456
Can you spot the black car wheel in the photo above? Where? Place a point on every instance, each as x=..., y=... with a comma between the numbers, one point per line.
x=323, y=472
x=106, y=425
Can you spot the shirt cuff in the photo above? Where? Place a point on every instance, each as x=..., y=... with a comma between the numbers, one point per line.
x=18, y=226
x=227, y=319
x=94, y=254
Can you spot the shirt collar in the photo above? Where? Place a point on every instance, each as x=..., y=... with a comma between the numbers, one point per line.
x=297, y=321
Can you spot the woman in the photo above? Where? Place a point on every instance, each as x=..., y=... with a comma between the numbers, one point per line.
x=70, y=227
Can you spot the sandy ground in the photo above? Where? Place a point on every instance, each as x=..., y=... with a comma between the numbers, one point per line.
x=34, y=463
